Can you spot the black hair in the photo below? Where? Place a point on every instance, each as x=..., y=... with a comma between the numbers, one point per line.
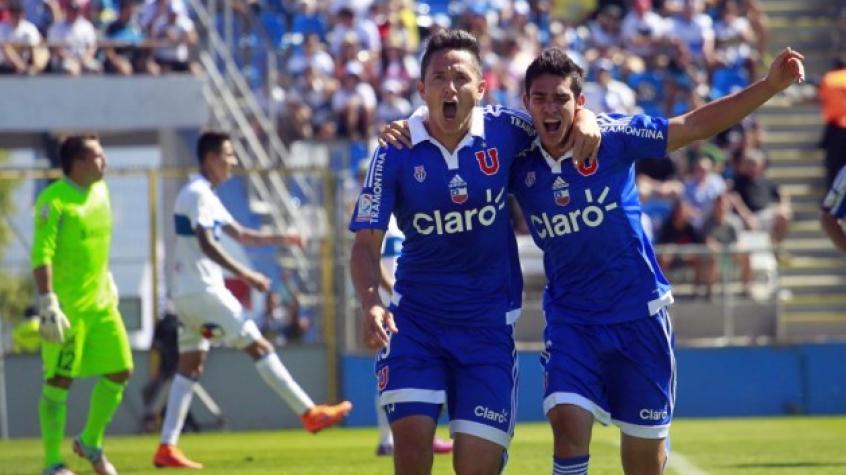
x=210, y=141
x=450, y=39
x=73, y=148
x=556, y=62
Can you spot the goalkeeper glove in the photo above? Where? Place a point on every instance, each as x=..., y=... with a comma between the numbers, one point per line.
x=54, y=323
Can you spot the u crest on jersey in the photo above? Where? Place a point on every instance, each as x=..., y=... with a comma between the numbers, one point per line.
x=488, y=163
x=588, y=167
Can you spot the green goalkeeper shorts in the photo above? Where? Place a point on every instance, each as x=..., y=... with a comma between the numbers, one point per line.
x=96, y=344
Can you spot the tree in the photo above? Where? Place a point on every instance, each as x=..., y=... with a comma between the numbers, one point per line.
x=15, y=290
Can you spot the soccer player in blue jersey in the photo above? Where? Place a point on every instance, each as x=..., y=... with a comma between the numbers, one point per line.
x=834, y=211
x=448, y=336
x=609, y=340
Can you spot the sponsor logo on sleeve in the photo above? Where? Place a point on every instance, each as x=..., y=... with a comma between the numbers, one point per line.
x=365, y=208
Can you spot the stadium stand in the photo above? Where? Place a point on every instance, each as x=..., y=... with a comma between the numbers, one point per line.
x=290, y=72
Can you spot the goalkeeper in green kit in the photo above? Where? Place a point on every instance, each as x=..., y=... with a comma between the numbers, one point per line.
x=83, y=332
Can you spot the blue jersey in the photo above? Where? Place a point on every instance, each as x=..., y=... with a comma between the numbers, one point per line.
x=599, y=264
x=459, y=261
x=835, y=199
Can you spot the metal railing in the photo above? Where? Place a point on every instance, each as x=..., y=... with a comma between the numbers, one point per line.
x=234, y=107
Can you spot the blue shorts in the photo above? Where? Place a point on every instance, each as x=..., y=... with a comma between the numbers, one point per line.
x=471, y=369
x=623, y=373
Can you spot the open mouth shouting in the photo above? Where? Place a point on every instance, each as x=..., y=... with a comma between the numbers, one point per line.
x=552, y=126
x=450, y=108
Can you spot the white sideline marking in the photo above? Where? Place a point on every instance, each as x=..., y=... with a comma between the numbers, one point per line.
x=681, y=465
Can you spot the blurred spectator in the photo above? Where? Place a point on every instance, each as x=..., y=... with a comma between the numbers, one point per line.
x=721, y=230
x=177, y=32
x=354, y=104
x=758, y=200
x=296, y=121
x=393, y=105
x=684, y=82
x=398, y=65
x=605, y=34
x=363, y=30
x=154, y=9
x=643, y=29
x=309, y=20
x=311, y=54
x=42, y=13
x=751, y=10
x=734, y=41
x=73, y=43
x=838, y=35
x=20, y=40
x=647, y=80
x=316, y=91
x=678, y=230
x=282, y=322
x=607, y=94
x=694, y=29
x=702, y=189
x=832, y=93
x=127, y=56
x=351, y=51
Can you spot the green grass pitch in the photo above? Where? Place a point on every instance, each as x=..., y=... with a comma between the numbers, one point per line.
x=771, y=446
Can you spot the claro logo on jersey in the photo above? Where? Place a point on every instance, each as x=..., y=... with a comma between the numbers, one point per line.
x=369, y=203
x=485, y=413
x=561, y=224
x=455, y=222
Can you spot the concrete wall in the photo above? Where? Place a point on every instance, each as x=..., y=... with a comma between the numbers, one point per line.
x=230, y=379
x=712, y=382
x=103, y=103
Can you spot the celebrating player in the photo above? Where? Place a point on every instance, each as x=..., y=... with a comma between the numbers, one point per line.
x=448, y=336
x=609, y=340
x=208, y=310
x=82, y=330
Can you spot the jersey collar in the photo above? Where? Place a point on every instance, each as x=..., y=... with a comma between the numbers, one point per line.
x=199, y=177
x=419, y=133
x=554, y=165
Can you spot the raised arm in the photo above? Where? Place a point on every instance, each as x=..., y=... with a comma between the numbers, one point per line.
x=716, y=116
x=366, y=273
x=253, y=237
x=212, y=250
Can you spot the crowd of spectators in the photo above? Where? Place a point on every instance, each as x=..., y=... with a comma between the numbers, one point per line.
x=76, y=37
x=345, y=67
x=353, y=64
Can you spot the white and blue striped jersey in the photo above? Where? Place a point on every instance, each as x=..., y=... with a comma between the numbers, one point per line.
x=196, y=205
x=598, y=261
x=835, y=200
x=459, y=261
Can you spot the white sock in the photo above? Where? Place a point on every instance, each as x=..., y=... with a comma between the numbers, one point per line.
x=386, y=437
x=275, y=375
x=178, y=403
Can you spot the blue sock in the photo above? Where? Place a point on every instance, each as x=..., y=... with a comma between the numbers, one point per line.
x=570, y=466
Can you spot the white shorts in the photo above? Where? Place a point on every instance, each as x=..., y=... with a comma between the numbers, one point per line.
x=213, y=316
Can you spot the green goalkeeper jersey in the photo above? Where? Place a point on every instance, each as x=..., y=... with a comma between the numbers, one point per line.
x=73, y=233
